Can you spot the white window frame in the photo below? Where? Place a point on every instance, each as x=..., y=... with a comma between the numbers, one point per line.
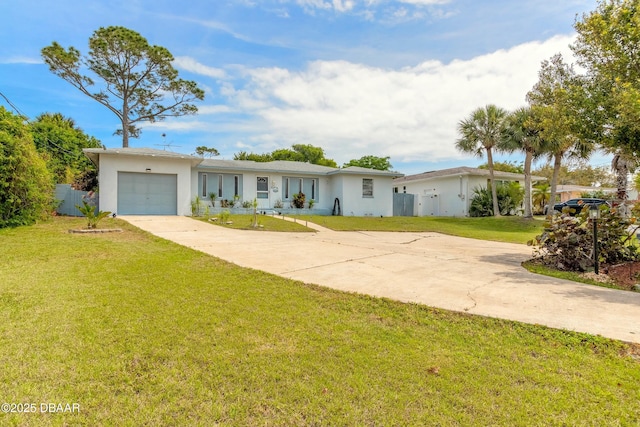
x=220, y=185
x=367, y=190
x=204, y=185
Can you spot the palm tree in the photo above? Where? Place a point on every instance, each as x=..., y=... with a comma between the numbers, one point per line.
x=522, y=133
x=541, y=194
x=481, y=133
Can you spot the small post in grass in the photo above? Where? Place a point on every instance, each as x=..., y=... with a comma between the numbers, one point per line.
x=594, y=215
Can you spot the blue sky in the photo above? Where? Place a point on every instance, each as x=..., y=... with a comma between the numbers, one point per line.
x=355, y=77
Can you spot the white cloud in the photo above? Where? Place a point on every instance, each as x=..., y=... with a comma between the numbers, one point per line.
x=189, y=64
x=424, y=2
x=343, y=5
x=411, y=114
x=21, y=60
x=213, y=109
x=349, y=5
x=314, y=4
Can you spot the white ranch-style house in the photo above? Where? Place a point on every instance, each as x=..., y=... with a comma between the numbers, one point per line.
x=448, y=192
x=141, y=181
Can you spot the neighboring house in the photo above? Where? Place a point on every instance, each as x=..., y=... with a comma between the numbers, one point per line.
x=140, y=181
x=448, y=192
x=567, y=192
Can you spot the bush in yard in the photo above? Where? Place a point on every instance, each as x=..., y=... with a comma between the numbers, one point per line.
x=510, y=198
x=196, y=206
x=298, y=200
x=567, y=241
x=26, y=186
x=481, y=203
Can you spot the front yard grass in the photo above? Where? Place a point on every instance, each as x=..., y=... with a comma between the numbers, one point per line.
x=141, y=331
x=512, y=229
x=266, y=222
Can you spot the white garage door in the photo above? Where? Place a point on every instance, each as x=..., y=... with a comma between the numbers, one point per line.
x=147, y=194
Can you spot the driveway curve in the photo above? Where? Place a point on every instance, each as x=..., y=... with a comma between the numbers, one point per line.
x=454, y=273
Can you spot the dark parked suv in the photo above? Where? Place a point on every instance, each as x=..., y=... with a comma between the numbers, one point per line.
x=578, y=204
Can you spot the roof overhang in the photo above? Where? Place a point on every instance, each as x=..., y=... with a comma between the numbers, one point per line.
x=94, y=154
x=365, y=171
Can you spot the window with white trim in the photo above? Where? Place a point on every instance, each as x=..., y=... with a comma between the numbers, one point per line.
x=220, y=179
x=367, y=187
x=236, y=185
x=204, y=185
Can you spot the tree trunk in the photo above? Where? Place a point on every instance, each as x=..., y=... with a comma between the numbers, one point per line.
x=528, y=157
x=620, y=165
x=557, y=163
x=125, y=125
x=494, y=187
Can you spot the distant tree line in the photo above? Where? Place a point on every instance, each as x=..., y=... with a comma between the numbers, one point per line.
x=315, y=155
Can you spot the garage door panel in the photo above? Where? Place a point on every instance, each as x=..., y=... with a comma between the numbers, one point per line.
x=147, y=194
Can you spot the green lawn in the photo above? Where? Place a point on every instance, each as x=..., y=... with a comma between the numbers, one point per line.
x=265, y=223
x=513, y=229
x=140, y=331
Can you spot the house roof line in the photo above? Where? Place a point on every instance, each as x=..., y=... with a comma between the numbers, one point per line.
x=251, y=168
x=463, y=170
x=94, y=154
x=275, y=166
x=571, y=187
x=357, y=170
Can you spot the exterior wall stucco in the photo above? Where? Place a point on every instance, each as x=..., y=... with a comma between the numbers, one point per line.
x=111, y=164
x=444, y=196
x=355, y=204
x=447, y=196
x=248, y=182
x=347, y=188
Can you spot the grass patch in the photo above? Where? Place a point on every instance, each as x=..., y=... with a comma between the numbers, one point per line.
x=140, y=331
x=267, y=222
x=512, y=229
x=603, y=280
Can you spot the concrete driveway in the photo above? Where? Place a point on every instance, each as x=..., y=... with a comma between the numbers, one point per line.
x=454, y=273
